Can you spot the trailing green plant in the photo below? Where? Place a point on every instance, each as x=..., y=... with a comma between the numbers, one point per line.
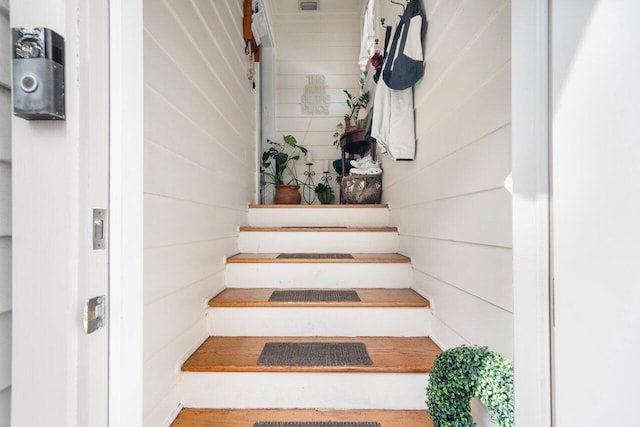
x=355, y=104
x=278, y=162
x=325, y=194
x=462, y=373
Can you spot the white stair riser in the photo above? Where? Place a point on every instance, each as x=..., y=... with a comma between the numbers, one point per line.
x=320, y=217
x=318, y=242
x=247, y=390
x=318, y=275
x=316, y=321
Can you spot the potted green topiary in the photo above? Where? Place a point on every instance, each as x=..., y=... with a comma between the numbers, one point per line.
x=278, y=166
x=462, y=373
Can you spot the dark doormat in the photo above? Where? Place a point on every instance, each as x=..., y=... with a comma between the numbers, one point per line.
x=313, y=295
x=314, y=354
x=315, y=256
x=315, y=424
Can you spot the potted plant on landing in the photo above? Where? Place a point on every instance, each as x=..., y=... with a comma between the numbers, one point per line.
x=355, y=104
x=278, y=166
x=325, y=194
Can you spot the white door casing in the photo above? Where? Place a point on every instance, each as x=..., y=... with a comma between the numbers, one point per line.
x=530, y=160
x=93, y=81
x=126, y=217
x=60, y=174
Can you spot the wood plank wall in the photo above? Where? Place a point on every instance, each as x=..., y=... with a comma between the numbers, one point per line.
x=200, y=170
x=5, y=216
x=450, y=204
x=326, y=42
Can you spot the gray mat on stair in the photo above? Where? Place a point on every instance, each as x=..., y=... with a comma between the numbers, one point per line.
x=314, y=354
x=315, y=424
x=313, y=226
x=313, y=295
x=315, y=256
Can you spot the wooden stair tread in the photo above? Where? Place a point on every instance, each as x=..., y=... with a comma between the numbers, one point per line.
x=271, y=258
x=323, y=229
x=378, y=206
x=236, y=297
x=240, y=354
x=246, y=418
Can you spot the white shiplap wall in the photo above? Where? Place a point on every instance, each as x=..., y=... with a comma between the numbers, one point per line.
x=451, y=205
x=200, y=170
x=326, y=42
x=5, y=216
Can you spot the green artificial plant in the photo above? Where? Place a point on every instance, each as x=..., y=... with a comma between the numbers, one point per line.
x=278, y=162
x=462, y=373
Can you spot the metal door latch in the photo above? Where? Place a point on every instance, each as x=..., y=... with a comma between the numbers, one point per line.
x=94, y=314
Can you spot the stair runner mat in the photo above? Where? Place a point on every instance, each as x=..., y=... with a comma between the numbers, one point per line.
x=314, y=354
x=315, y=424
x=314, y=295
x=313, y=226
x=315, y=256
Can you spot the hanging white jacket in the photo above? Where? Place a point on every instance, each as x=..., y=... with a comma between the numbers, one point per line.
x=393, y=124
x=368, y=44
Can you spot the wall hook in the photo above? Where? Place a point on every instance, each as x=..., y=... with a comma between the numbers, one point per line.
x=399, y=4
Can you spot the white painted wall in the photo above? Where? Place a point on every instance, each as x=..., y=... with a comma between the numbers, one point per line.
x=326, y=42
x=450, y=204
x=5, y=216
x=200, y=170
x=596, y=182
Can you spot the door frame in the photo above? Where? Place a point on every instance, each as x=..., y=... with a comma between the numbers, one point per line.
x=530, y=215
x=531, y=212
x=126, y=200
x=47, y=313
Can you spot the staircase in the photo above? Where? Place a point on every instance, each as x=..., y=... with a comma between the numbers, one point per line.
x=304, y=248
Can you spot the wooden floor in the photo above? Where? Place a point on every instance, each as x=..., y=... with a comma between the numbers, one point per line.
x=380, y=206
x=357, y=259
x=246, y=418
x=233, y=297
x=322, y=229
x=240, y=354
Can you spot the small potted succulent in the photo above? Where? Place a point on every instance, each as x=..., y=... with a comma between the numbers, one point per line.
x=325, y=194
x=278, y=167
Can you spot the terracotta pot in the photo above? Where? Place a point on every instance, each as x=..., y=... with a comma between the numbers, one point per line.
x=287, y=195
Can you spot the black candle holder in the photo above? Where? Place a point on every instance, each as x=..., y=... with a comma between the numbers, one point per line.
x=309, y=187
x=326, y=178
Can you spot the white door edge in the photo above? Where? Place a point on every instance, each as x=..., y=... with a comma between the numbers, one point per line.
x=126, y=200
x=531, y=200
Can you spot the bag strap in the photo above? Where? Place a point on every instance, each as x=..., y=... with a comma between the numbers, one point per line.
x=387, y=37
x=388, y=63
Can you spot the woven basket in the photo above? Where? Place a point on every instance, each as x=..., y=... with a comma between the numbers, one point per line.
x=362, y=189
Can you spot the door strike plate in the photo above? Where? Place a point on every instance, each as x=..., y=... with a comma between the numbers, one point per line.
x=94, y=314
x=99, y=229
